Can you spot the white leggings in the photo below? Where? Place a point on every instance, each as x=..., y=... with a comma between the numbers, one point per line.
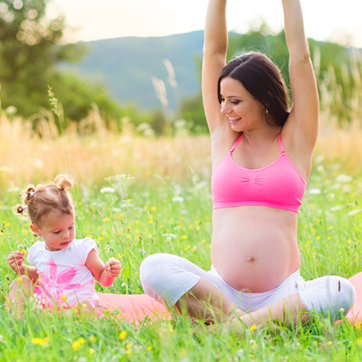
x=167, y=278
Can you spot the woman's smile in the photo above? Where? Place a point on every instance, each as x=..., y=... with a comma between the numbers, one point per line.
x=234, y=120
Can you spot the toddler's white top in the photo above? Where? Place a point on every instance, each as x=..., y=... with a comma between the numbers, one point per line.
x=63, y=273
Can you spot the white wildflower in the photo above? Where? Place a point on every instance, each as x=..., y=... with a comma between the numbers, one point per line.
x=314, y=191
x=343, y=178
x=170, y=235
x=107, y=189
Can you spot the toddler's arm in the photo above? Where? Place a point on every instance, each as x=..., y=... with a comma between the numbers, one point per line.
x=103, y=273
x=15, y=260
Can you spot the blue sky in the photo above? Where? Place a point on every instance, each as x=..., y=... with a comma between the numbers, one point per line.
x=100, y=19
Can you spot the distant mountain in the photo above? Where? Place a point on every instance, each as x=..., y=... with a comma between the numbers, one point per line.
x=126, y=66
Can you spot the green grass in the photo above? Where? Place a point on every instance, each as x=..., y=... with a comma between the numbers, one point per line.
x=130, y=224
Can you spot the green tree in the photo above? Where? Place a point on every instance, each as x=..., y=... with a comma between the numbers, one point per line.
x=28, y=53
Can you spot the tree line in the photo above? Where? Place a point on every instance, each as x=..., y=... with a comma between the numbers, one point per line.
x=30, y=49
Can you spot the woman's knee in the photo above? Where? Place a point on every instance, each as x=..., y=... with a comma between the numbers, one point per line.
x=331, y=296
x=152, y=268
x=167, y=276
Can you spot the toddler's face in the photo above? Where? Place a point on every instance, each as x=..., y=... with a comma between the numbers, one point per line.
x=57, y=230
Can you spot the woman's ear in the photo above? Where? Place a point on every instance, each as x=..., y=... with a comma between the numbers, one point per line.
x=35, y=229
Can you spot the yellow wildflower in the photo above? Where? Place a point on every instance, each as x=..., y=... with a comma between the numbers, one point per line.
x=121, y=216
x=92, y=339
x=253, y=344
x=76, y=345
x=91, y=350
x=128, y=345
x=253, y=328
x=122, y=335
x=81, y=340
x=149, y=348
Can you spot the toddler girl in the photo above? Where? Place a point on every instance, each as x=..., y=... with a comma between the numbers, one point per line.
x=64, y=268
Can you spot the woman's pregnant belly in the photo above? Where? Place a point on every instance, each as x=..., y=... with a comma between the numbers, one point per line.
x=254, y=248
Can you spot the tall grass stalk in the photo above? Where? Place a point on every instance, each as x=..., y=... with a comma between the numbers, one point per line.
x=33, y=155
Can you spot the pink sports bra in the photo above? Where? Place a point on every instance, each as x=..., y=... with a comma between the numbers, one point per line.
x=277, y=185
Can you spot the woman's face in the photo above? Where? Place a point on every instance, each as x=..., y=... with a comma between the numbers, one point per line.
x=245, y=113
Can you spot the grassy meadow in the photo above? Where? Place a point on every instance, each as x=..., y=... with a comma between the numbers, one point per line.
x=164, y=205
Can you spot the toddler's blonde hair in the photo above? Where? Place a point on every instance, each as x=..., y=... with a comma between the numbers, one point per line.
x=40, y=200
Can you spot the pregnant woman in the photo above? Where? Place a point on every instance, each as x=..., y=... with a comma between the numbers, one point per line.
x=261, y=157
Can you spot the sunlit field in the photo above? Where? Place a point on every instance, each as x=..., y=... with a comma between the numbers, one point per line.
x=164, y=205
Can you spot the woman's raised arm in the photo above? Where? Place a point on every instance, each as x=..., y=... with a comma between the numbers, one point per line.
x=214, y=60
x=302, y=124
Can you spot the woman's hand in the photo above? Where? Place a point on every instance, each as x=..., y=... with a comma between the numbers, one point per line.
x=113, y=267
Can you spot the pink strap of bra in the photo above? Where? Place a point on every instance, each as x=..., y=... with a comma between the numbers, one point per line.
x=281, y=143
x=235, y=144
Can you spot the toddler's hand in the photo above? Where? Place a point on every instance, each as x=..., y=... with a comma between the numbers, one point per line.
x=15, y=260
x=113, y=267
